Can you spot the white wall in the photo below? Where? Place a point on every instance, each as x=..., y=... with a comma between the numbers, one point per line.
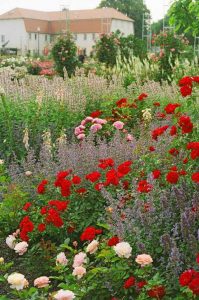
x=87, y=43
x=15, y=32
x=126, y=27
x=37, y=41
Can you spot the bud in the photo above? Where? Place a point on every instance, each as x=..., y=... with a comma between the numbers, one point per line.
x=1, y=161
x=1, y=260
x=75, y=244
x=28, y=173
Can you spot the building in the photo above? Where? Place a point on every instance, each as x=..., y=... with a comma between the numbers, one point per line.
x=31, y=31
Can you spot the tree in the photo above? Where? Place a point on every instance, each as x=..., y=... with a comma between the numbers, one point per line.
x=134, y=9
x=184, y=15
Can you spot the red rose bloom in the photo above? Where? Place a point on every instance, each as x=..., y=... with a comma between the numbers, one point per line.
x=54, y=218
x=186, y=90
x=173, y=151
x=185, y=161
x=65, y=186
x=124, y=168
x=41, y=227
x=144, y=187
x=173, y=130
x=93, y=177
x=151, y=148
x=96, y=114
x=41, y=187
x=157, y=292
x=88, y=234
x=113, y=241
x=156, y=174
x=141, y=284
x=170, y=108
x=185, y=81
x=76, y=180
x=186, y=277
x=156, y=103
x=194, y=286
x=112, y=177
x=44, y=210
x=27, y=206
x=26, y=226
x=195, y=177
x=195, y=79
x=142, y=96
x=81, y=191
x=105, y=163
x=194, y=146
x=60, y=205
x=172, y=177
x=159, y=131
x=121, y=103
x=129, y=282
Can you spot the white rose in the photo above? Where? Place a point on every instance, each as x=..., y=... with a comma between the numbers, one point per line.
x=123, y=249
x=17, y=281
x=64, y=295
x=11, y=241
x=21, y=248
x=92, y=247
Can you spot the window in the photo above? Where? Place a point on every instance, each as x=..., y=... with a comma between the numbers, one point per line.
x=75, y=36
x=85, y=36
x=93, y=36
x=46, y=37
x=29, y=36
x=35, y=36
x=3, y=38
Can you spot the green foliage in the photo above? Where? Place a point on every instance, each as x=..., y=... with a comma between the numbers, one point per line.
x=64, y=53
x=184, y=15
x=134, y=9
x=111, y=45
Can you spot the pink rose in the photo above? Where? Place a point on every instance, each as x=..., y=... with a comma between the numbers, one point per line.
x=88, y=119
x=41, y=282
x=144, y=259
x=92, y=247
x=99, y=121
x=129, y=138
x=81, y=136
x=21, y=248
x=83, y=122
x=61, y=259
x=79, y=272
x=64, y=295
x=118, y=125
x=78, y=130
x=79, y=259
x=95, y=127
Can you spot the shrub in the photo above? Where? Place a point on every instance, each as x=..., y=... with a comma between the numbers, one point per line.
x=64, y=53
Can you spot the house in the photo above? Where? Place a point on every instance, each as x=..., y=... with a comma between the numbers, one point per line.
x=31, y=31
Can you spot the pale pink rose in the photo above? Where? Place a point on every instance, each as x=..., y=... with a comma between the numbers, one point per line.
x=64, y=295
x=92, y=247
x=83, y=122
x=81, y=127
x=95, y=127
x=123, y=249
x=78, y=130
x=99, y=121
x=41, y=282
x=21, y=248
x=16, y=233
x=79, y=259
x=88, y=119
x=118, y=125
x=144, y=259
x=11, y=241
x=79, y=272
x=173, y=49
x=129, y=138
x=61, y=259
x=124, y=130
x=81, y=136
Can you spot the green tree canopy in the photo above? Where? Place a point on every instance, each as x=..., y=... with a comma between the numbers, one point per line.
x=134, y=9
x=184, y=15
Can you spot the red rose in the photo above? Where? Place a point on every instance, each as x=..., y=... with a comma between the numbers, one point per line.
x=41, y=227
x=194, y=286
x=81, y=191
x=88, y=234
x=170, y=108
x=105, y=163
x=144, y=187
x=173, y=151
x=186, y=90
x=129, y=282
x=156, y=103
x=41, y=187
x=112, y=177
x=121, y=103
x=172, y=177
x=142, y=96
x=157, y=292
x=185, y=81
x=151, y=148
x=185, y=161
x=96, y=114
x=159, y=131
x=94, y=176
x=113, y=241
x=173, y=130
x=27, y=206
x=141, y=284
x=156, y=174
x=60, y=205
x=195, y=177
x=124, y=168
x=185, y=277
x=195, y=79
x=54, y=218
x=76, y=180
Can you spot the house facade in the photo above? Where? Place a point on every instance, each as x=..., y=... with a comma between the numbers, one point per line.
x=32, y=31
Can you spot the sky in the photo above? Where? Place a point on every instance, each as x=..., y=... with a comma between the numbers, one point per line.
x=157, y=7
